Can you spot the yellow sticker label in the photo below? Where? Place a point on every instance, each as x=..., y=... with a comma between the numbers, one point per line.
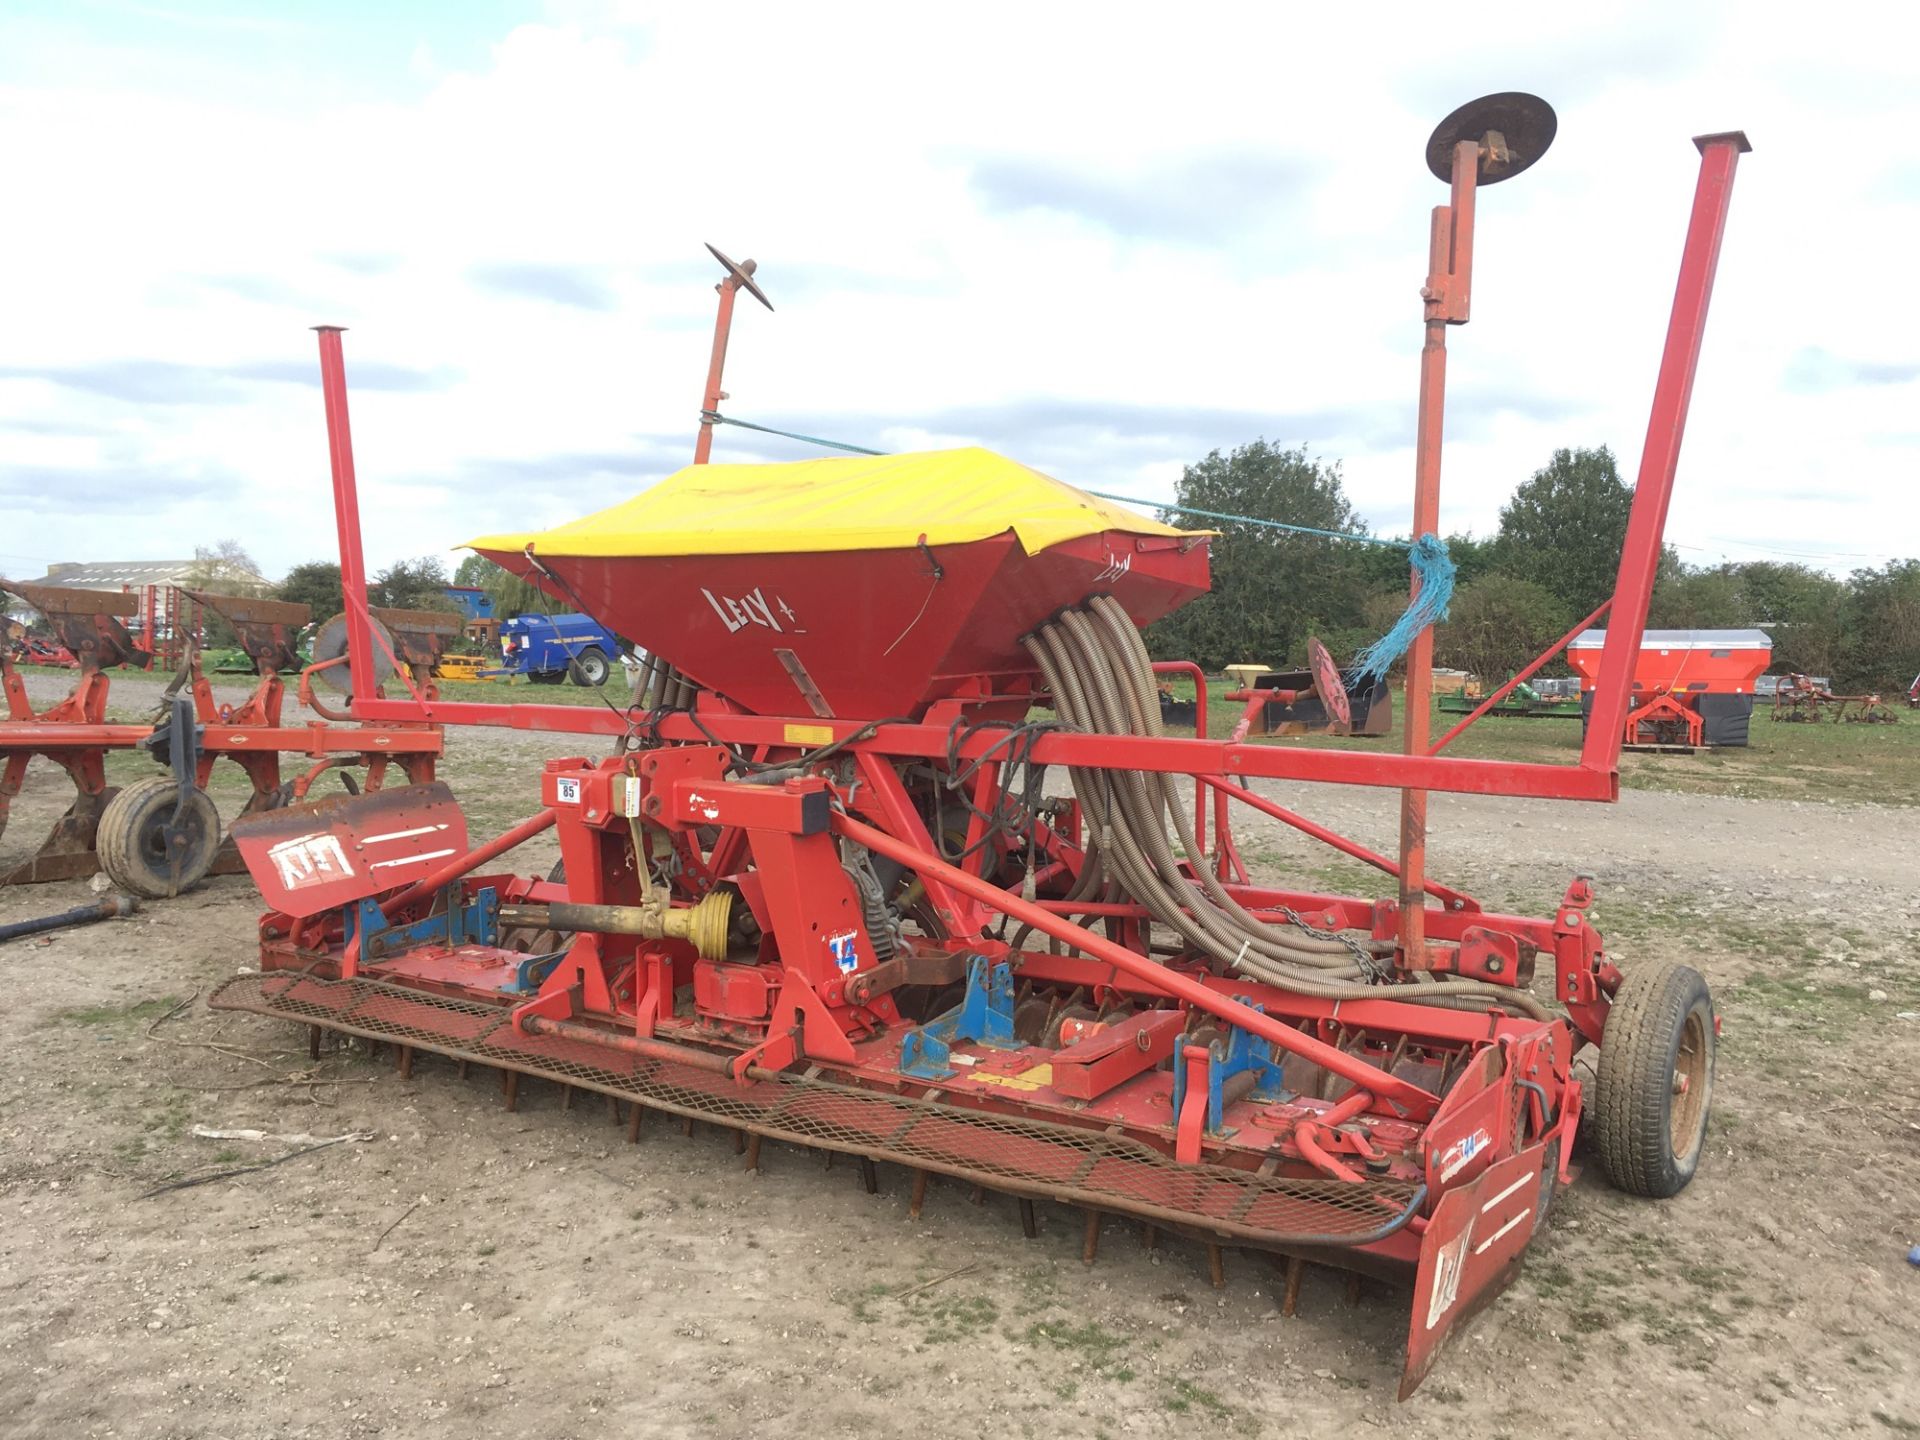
x=809, y=734
x=1033, y=1079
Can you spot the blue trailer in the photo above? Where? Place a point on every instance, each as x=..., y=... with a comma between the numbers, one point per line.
x=550, y=648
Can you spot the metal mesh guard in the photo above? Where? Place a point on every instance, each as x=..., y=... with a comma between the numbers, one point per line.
x=1092, y=1168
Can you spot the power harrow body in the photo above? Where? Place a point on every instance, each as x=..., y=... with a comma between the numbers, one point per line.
x=1391, y=1136
x=893, y=857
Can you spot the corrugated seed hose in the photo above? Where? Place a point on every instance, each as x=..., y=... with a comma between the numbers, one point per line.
x=1101, y=677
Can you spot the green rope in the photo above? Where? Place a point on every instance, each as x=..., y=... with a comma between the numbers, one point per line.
x=714, y=417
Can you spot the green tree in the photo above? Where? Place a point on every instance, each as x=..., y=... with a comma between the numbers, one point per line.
x=1802, y=608
x=510, y=594
x=226, y=568
x=473, y=572
x=411, y=585
x=1271, y=588
x=316, y=584
x=223, y=568
x=1564, y=528
x=1881, y=649
x=1498, y=623
x=1705, y=599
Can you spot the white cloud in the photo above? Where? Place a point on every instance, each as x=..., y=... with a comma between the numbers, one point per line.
x=1106, y=244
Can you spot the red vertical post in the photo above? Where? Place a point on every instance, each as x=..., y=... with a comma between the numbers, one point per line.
x=710, y=402
x=739, y=277
x=1653, y=490
x=346, y=511
x=1448, y=302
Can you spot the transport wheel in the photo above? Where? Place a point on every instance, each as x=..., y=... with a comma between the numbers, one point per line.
x=1655, y=1080
x=136, y=849
x=590, y=667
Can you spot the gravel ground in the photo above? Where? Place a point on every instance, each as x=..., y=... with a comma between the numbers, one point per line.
x=476, y=1272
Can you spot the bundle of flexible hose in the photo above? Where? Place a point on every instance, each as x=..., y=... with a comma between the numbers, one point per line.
x=1097, y=668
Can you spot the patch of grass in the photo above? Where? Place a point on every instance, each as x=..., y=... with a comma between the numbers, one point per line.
x=524, y=692
x=485, y=1250
x=1184, y=1396
x=130, y=1013
x=1825, y=763
x=170, y=1118
x=862, y=1302
x=944, y=1314
x=1821, y=1005
x=1096, y=1347
x=953, y=1317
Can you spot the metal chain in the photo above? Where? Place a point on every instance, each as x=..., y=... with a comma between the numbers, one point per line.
x=1369, y=965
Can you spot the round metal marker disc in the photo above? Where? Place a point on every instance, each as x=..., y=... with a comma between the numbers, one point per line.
x=331, y=644
x=1326, y=679
x=1526, y=122
x=742, y=274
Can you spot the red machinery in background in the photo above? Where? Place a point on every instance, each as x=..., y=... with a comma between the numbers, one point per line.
x=161, y=834
x=1691, y=688
x=822, y=891
x=1805, y=699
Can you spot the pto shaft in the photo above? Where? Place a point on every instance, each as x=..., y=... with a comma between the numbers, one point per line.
x=704, y=925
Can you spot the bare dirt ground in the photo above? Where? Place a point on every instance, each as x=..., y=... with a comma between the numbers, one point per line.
x=473, y=1272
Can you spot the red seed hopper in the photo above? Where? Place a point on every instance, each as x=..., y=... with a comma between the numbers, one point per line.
x=860, y=587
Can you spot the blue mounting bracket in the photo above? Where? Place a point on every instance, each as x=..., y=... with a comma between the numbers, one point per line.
x=984, y=1016
x=1246, y=1053
x=531, y=972
x=476, y=922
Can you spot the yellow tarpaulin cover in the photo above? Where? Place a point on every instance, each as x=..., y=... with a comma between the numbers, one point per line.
x=879, y=502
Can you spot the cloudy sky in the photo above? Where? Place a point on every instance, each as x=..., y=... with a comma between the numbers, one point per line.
x=1102, y=239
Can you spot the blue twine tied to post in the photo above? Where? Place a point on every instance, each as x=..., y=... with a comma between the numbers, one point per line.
x=1431, y=562
x=1435, y=568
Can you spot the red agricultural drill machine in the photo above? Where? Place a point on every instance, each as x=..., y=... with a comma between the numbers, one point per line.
x=821, y=891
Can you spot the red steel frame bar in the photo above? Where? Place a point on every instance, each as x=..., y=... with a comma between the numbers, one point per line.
x=1446, y=894
x=1520, y=679
x=1170, y=755
x=729, y=289
x=1348, y=1067
x=710, y=402
x=1447, y=302
x=346, y=509
x=1640, y=555
x=471, y=861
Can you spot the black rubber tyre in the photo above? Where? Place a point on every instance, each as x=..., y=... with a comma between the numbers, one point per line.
x=132, y=839
x=1654, y=1088
x=590, y=668
x=546, y=677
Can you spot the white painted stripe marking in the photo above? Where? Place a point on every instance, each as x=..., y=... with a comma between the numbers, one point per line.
x=1519, y=1184
x=412, y=859
x=403, y=834
x=1481, y=1248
